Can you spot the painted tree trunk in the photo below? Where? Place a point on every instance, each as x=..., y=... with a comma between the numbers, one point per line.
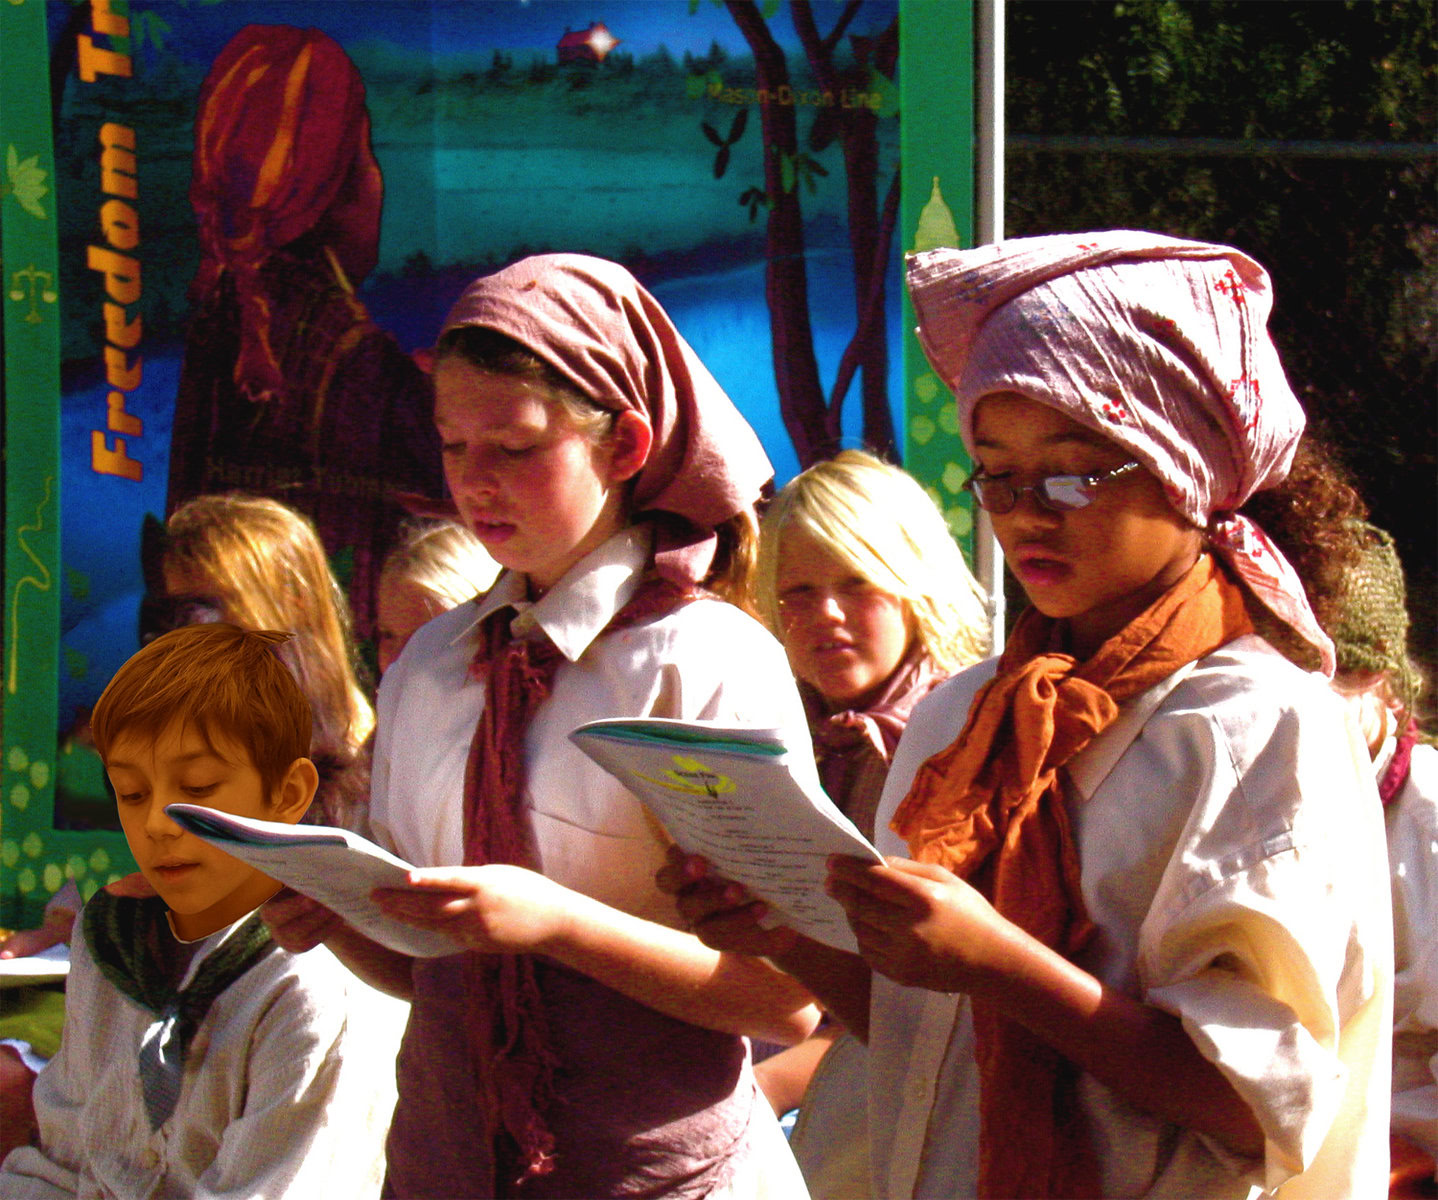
x=786, y=283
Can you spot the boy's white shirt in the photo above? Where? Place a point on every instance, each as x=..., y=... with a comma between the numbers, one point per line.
x=1191, y=848
x=1412, y=824
x=287, y=1091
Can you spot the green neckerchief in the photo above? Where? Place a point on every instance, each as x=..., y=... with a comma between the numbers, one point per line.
x=135, y=950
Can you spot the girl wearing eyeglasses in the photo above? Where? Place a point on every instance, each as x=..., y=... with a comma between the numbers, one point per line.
x=1133, y=938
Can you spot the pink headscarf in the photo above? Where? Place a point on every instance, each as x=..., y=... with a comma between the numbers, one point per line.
x=1156, y=343
x=593, y=322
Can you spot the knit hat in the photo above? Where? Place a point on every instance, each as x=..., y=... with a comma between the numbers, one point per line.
x=1370, y=633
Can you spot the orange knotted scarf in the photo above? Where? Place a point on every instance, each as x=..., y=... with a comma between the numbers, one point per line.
x=991, y=809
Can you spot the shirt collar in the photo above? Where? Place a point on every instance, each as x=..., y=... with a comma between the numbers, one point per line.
x=202, y=947
x=578, y=608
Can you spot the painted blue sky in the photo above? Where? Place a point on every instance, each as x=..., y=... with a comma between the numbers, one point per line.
x=198, y=30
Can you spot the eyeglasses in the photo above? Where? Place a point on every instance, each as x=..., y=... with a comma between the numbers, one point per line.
x=1057, y=493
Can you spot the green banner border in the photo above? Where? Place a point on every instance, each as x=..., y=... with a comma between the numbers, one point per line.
x=936, y=66
x=35, y=858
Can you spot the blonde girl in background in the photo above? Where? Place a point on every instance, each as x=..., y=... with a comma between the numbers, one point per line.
x=436, y=566
x=860, y=578
x=259, y=564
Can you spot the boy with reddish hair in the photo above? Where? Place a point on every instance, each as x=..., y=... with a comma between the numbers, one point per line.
x=198, y=1057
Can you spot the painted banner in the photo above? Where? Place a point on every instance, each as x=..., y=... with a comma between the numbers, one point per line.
x=231, y=228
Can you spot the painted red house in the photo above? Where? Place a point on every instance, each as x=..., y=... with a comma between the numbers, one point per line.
x=586, y=45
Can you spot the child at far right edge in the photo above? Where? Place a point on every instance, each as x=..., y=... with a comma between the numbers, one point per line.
x=1132, y=936
x=1381, y=685
x=1353, y=578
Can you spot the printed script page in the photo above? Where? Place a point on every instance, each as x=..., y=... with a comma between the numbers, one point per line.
x=338, y=868
x=739, y=798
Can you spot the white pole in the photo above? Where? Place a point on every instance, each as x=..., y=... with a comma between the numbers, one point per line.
x=989, y=227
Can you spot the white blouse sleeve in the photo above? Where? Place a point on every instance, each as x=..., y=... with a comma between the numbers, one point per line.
x=1268, y=935
x=307, y=1088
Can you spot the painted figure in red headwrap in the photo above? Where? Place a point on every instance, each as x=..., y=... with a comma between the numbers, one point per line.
x=289, y=389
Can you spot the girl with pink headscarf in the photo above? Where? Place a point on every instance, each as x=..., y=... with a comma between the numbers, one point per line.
x=1132, y=938
x=578, y=1042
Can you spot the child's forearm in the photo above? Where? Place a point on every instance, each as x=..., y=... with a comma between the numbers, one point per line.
x=1141, y=1052
x=728, y=918
x=840, y=981
x=674, y=973
x=784, y=1077
x=502, y=909
x=923, y=927
x=380, y=967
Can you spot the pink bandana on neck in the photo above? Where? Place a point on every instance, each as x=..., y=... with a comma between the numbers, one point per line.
x=1160, y=345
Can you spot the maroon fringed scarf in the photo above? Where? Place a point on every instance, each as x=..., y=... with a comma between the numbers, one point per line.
x=853, y=747
x=513, y=1056
x=881, y=723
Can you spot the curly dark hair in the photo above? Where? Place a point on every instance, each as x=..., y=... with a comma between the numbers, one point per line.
x=1315, y=517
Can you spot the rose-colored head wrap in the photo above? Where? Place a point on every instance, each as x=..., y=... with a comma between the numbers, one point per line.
x=1159, y=344
x=592, y=322
x=282, y=142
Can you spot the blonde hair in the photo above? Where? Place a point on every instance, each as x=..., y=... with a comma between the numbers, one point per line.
x=444, y=559
x=878, y=521
x=222, y=679
x=268, y=570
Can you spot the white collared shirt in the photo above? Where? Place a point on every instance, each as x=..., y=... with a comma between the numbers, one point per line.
x=706, y=660
x=1231, y=855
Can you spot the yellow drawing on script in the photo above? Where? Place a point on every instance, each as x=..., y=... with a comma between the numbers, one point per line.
x=692, y=777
